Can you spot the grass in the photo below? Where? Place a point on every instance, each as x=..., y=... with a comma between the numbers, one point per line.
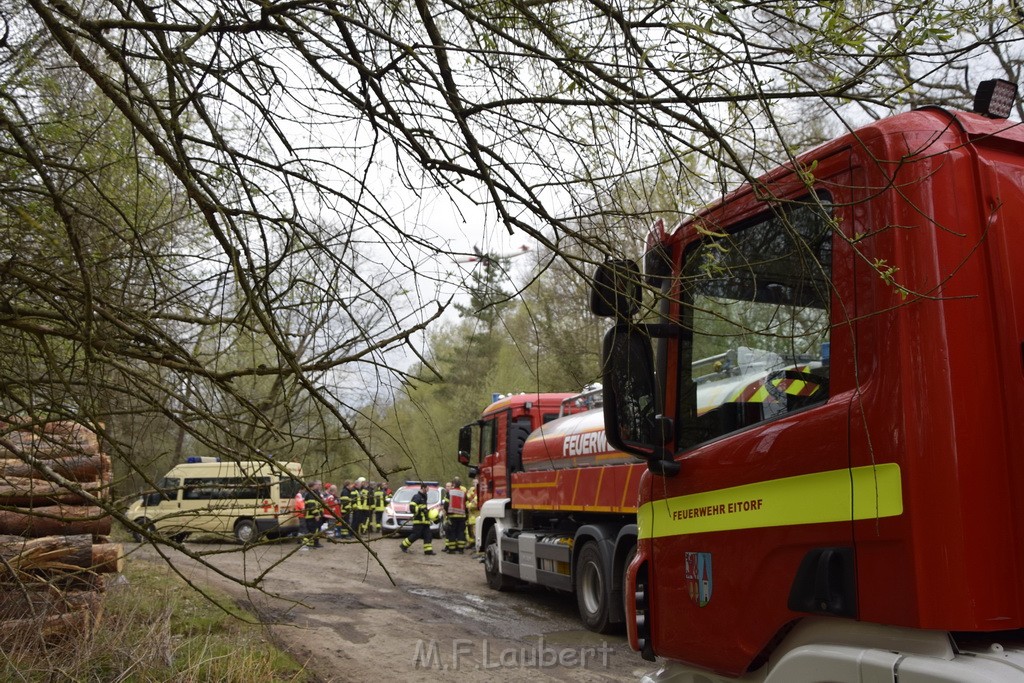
x=155, y=628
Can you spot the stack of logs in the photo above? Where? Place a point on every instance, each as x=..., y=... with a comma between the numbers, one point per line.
x=54, y=549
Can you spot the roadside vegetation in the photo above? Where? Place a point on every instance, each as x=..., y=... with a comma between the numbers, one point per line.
x=152, y=630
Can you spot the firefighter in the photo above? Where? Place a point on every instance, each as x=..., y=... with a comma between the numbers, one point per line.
x=345, y=521
x=361, y=506
x=313, y=511
x=379, y=503
x=420, y=522
x=455, y=509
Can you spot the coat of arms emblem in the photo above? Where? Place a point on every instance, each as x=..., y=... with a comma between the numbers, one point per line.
x=698, y=578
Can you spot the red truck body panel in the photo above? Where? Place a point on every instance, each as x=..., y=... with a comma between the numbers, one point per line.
x=569, y=467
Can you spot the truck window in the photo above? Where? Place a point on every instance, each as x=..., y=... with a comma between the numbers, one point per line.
x=488, y=438
x=756, y=299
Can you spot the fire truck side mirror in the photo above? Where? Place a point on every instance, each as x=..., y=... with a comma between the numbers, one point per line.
x=632, y=418
x=615, y=291
x=465, y=444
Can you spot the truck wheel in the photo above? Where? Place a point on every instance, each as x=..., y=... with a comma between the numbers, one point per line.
x=495, y=579
x=592, y=590
x=245, y=531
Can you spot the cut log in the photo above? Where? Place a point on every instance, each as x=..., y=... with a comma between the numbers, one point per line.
x=22, y=492
x=53, y=520
x=77, y=625
x=50, y=440
x=73, y=467
x=107, y=558
x=48, y=552
x=33, y=601
x=49, y=449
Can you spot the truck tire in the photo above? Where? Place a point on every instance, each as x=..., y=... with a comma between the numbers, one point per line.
x=245, y=531
x=593, y=590
x=495, y=579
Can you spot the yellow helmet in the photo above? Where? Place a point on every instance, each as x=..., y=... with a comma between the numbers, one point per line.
x=433, y=514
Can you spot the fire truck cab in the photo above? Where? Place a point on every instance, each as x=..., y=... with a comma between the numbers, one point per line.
x=835, y=468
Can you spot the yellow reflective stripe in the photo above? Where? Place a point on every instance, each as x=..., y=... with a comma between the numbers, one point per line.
x=806, y=499
x=760, y=396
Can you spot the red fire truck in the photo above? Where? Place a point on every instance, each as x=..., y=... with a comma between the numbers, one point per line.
x=558, y=505
x=854, y=513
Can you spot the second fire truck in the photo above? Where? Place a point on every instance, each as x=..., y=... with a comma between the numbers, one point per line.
x=557, y=504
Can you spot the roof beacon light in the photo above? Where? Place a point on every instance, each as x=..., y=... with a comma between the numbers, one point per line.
x=995, y=98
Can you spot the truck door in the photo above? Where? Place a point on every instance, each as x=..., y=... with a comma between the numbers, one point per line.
x=755, y=530
x=492, y=475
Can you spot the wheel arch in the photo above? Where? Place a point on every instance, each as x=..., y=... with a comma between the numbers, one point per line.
x=494, y=512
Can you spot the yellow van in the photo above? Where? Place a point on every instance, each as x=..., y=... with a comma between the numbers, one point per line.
x=206, y=496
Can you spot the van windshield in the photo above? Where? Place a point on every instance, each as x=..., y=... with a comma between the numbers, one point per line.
x=167, y=489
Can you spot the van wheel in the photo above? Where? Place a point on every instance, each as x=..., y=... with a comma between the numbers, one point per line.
x=245, y=531
x=145, y=524
x=592, y=590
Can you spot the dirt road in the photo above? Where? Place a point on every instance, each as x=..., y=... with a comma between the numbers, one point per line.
x=337, y=610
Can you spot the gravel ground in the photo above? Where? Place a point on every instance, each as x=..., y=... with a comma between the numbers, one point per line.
x=361, y=613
